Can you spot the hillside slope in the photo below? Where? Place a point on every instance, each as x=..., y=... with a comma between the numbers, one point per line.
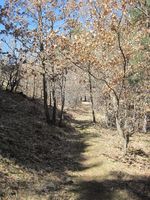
x=33, y=154
x=80, y=161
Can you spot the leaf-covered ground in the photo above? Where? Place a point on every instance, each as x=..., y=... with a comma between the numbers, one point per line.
x=107, y=173
x=80, y=161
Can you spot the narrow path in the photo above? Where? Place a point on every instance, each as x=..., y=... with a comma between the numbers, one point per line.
x=95, y=164
x=104, y=176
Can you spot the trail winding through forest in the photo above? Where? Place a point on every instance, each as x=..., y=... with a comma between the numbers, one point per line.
x=106, y=175
x=79, y=161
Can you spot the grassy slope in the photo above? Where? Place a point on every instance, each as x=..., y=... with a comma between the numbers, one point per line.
x=36, y=160
x=32, y=154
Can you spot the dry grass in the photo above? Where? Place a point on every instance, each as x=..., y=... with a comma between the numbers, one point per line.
x=36, y=160
x=33, y=154
x=105, y=166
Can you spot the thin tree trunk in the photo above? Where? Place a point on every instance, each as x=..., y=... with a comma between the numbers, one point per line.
x=126, y=143
x=41, y=93
x=91, y=95
x=62, y=110
x=54, y=97
x=124, y=136
x=34, y=87
x=120, y=130
x=45, y=99
x=63, y=84
x=50, y=93
x=27, y=86
x=145, y=123
x=50, y=99
x=54, y=108
x=40, y=30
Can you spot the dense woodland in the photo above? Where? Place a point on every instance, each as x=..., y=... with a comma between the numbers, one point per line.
x=65, y=53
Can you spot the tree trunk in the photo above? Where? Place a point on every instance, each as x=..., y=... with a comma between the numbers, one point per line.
x=41, y=46
x=126, y=143
x=62, y=110
x=119, y=129
x=45, y=99
x=91, y=96
x=54, y=97
x=62, y=86
x=27, y=87
x=124, y=136
x=34, y=87
x=50, y=99
x=54, y=108
x=145, y=124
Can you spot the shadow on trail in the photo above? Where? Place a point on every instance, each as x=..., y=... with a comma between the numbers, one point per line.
x=82, y=124
x=135, y=189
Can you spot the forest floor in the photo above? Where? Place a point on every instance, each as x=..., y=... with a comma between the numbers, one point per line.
x=80, y=161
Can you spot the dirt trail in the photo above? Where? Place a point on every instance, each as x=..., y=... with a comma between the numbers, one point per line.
x=105, y=174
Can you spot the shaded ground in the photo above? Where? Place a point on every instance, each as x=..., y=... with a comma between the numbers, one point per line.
x=137, y=188
x=80, y=161
x=34, y=158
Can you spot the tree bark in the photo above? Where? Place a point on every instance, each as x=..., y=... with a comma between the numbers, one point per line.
x=145, y=124
x=45, y=99
x=54, y=107
x=126, y=143
x=62, y=110
x=91, y=95
x=41, y=47
x=50, y=99
x=34, y=87
x=62, y=86
x=54, y=98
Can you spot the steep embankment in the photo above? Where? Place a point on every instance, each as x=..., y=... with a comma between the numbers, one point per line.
x=34, y=158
